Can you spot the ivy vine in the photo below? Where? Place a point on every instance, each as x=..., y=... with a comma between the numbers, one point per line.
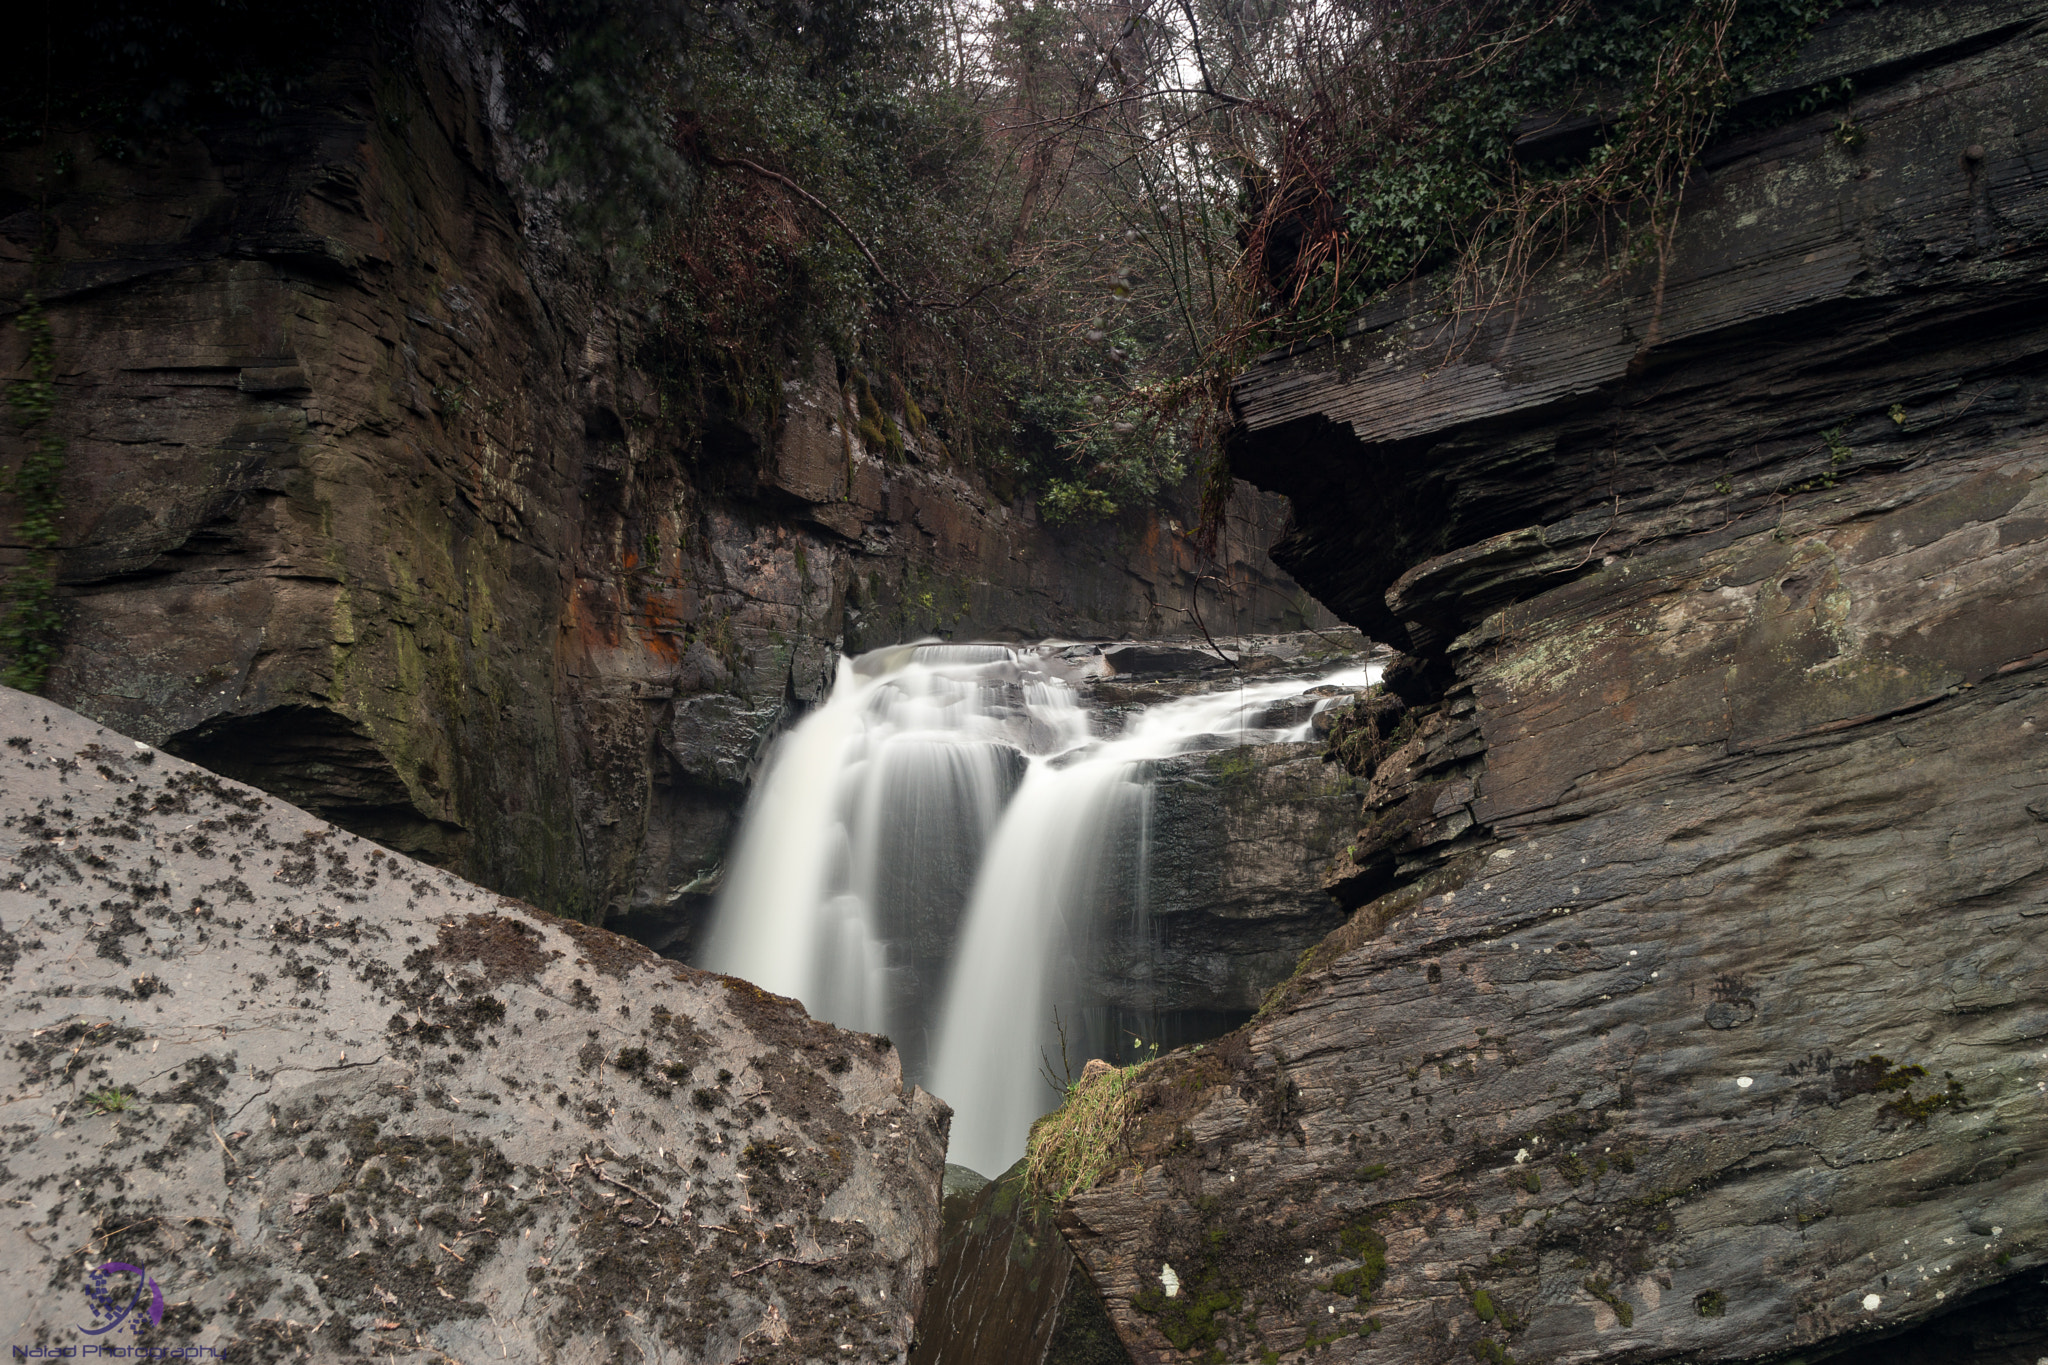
x=31, y=626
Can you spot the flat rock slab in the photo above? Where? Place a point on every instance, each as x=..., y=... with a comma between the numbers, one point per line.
x=331, y=1103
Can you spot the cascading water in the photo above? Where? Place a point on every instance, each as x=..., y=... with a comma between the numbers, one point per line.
x=932, y=852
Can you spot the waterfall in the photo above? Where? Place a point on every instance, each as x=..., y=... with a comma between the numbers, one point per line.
x=931, y=853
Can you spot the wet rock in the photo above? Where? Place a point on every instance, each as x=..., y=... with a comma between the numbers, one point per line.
x=1242, y=839
x=1690, y=1007
x=1007, y=1290
x=336, y=1103
x=1144, y=660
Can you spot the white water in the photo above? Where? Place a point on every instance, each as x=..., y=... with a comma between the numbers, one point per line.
x=931, y=852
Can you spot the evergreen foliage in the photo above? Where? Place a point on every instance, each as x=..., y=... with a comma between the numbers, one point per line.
x=1039, y=236
x=1057, y=227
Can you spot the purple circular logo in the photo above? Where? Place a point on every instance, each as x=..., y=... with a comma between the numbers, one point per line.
x=116, y=1290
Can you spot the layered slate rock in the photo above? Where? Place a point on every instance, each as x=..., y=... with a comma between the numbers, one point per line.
x=1694, y=1002
x=340, y=1105
x=1240, y=839
x=370, y=500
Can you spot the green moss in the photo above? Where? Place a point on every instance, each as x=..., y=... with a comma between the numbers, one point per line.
x=1602, y=1289
x=1235, y=766
x=1189, y=1319
x=1482, y=1305
x=1917, y=1110
x=1365, y=1246
x=1710, y=1303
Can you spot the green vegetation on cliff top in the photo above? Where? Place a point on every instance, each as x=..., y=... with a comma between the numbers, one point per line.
x=1040, y=236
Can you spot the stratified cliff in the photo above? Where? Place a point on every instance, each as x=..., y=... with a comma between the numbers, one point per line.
x=370, y=502
x=1693, y=1008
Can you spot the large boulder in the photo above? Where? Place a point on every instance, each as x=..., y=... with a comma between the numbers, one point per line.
x=333, y=1103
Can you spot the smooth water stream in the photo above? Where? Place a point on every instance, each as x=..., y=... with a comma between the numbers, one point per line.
x=931, y=852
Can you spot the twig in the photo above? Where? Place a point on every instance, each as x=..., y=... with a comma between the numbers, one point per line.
x=815, y=202
x=1193, y=609
x=754, y=167
x=780, y=1260
x=598, y=1171
x=1594, y=548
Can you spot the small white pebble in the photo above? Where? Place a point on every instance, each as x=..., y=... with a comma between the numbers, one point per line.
x=1997, y=1231
x=1871, y=1302
x=1169, y=1280
x=1744, y=1082
x=1653, y=976
x=1521, y=1156
x=1631, y=952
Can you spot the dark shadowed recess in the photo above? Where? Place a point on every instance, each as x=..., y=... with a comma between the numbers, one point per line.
x=2006, y=1327
x=324, y=762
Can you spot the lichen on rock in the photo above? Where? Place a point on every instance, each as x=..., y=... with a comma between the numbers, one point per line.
x=343, y=1105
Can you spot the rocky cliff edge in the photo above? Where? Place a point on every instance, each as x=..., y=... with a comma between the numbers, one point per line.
x=1695, y=1002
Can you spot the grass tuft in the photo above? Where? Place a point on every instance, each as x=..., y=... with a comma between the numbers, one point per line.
x=1075, y=1145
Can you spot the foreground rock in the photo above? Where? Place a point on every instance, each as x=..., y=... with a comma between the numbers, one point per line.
x=1694, y=1004
x=1007, y=1291
x=339, y=1105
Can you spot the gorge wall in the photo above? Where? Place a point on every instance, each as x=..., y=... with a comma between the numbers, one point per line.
x=1692, y=1006
x=371, y=503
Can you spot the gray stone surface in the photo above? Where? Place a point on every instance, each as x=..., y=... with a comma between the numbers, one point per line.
x=341, y=1105
x=1693, y=1004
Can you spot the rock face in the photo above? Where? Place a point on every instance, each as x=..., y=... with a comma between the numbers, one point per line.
x=1692, y=1008
x=1007, y=1291
x=339, y=1105
x=369, y=504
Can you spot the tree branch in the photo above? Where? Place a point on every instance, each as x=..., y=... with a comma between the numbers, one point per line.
x=935, y=305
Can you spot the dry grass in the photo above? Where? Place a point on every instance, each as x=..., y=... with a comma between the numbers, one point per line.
x=1078, y=1143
